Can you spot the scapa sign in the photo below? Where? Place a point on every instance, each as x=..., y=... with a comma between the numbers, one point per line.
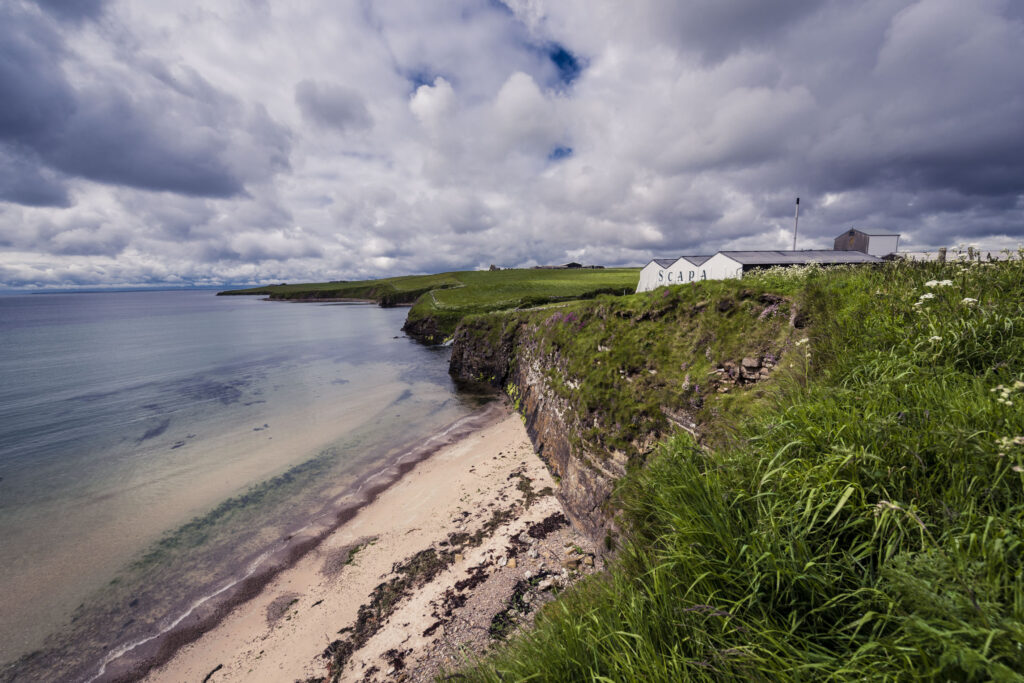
x=681, y=276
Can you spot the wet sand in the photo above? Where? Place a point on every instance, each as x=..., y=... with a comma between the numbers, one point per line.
x=455, y=554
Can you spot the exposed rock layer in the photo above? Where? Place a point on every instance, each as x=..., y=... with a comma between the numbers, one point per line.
x=511, y=360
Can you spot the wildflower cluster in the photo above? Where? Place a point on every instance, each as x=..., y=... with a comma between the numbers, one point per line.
x=938, y=283
x=924, y=297
x=1006, y=443
x=807, y=351
x=1012, y=446
x=1005, y=393
x=786, y=274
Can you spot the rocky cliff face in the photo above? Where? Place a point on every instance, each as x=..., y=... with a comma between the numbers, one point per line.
x=425, y=330
x=599, y=383
x=506, y=355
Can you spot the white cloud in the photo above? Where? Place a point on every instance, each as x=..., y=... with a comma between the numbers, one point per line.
x=211, y=141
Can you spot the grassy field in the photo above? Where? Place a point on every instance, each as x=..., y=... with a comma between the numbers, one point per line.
x=394, y=290
x=442, y=300
x=864, y=520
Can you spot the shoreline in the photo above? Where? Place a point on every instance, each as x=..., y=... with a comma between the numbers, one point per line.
x=481, y=508
x=132, y=661
x=337, y=300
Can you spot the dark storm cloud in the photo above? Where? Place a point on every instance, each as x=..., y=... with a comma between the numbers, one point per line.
x=939, y=114
x=332, y=106
x=25, y=181
x=111, y=139
x=149, y=137
x=36, y=97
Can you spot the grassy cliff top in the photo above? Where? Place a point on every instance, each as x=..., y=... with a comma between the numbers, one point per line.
x=442, y=300
x=864, y=522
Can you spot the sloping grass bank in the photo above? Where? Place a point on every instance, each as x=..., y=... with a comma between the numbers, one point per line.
x=441, y=301
x=867, y=522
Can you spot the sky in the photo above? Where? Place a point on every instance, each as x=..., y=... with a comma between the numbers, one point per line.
x=214, y=142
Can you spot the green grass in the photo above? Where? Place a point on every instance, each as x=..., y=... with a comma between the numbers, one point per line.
x=442, y=300
x=864, y=520
x=622, y=362
x=389, y=291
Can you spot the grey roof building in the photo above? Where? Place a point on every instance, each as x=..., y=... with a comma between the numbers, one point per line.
x=802, y=257
x=852, y=247
x=697, y=260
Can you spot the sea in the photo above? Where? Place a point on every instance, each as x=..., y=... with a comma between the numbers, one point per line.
x=163, y=452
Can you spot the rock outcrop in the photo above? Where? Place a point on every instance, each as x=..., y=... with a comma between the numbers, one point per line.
x=510, y=359
x=599, y=384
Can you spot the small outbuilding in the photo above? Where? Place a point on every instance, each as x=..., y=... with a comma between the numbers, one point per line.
x=874, y=243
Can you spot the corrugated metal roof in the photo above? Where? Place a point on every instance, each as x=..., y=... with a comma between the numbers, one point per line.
x=696, y=260
x=664, y=262
x=789, y=258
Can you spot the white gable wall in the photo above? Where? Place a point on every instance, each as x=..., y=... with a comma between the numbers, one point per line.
x=718, y=267
x=681, y=272
x=649, y=277
x=882, y=245
x=722, y=267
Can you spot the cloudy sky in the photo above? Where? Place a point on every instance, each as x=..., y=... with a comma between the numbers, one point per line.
x=241, y=141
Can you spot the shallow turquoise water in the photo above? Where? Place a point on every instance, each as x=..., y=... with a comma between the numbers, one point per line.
x=123, y=416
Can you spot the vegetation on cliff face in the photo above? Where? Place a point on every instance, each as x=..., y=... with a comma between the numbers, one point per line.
x=864, y=519
x=441, y=301
x=626, y=367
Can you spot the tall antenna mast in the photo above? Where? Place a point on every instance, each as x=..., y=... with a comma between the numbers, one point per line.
x=796, y=222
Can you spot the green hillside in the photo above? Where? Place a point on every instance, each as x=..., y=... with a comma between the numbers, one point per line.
x=441, y=300
x=859, y=518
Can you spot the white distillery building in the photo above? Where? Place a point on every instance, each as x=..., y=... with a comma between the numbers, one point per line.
x=733, y=264
x=661, y=272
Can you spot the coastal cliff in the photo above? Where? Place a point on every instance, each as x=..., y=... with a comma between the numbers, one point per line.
x=514, y=361
x=599, y=383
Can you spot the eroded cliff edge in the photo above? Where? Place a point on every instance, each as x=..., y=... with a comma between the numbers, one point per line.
x=600, y=383
x=514, y=361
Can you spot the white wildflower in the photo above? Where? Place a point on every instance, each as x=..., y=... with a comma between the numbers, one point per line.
x=938, y=283
x=1018, y=385
x=802, y=341
x=935, y=338
x=968, y=301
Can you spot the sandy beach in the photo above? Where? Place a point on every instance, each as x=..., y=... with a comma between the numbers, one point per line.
x=450, y=558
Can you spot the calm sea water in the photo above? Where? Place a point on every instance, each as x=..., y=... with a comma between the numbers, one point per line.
x=152, y=441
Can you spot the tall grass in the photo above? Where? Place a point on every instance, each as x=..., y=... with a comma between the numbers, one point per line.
x=868, y=524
